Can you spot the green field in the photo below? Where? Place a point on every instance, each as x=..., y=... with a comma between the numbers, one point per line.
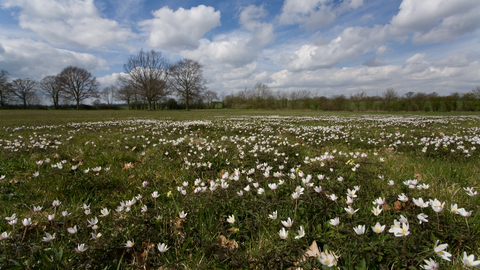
x=123, y=180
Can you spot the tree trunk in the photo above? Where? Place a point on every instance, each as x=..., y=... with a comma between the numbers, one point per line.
x=78, y=104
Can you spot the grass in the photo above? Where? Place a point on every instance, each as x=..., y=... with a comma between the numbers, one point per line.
x=115, y=160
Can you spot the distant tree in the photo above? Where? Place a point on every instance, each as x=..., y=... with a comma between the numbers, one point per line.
x=78, y=84
x=186, y=80
x=5, y=88
x=125, y=93
x=389, y=97
x=147, y=74
x=24, y=90
x=358, y=98
x=210, y=96
x=108, y=94
x=52, y=88
x=476, y=92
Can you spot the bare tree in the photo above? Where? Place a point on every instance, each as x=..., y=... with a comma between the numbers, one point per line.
x=108, y=94
x=24, y=90
x=358, y=98
x=78, y=84
x=147, y=73
x=389, y=97
x=125, y=93
x=186, y=79
x=5, y=88
x=52, y=87
x=210, y=96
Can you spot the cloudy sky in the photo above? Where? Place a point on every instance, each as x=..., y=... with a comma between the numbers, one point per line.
x=324, y=46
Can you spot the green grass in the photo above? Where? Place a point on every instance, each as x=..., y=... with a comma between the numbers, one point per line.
x=166, y=149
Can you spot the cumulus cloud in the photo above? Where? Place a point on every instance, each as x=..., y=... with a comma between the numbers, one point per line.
x=436, y=20
x=180, y=29
x=34, y=59
x=110, y=79
x=416, y=74
x=350, y=44
x=64, y=22
x=314, y=14
x=238, y=48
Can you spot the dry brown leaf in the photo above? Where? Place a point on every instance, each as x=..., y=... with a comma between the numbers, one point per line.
x=397, y=205
x=418, y=176
x=134, y=148
x=386, y=207
x=223, y=242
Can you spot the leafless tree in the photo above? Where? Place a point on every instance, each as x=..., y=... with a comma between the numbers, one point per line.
x=52, y=87
x=108, y=94
x=147, y=73
x=78, y=84
x=24, y=90
x=126, y=93
x=389, y=97
x=358, y=98
x=210, y=96
x=5, y=88
x=186, y=79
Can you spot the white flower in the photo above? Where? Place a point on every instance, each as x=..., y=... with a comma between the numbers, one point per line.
x=301, y=233
x=295, y=195
x=403, y=231
x=378, y=228
x=155, y=194
x=182, y=214
x=92, y=222
x=430, y=264
x=231, y=219
x=4, y=236
x=403, y=198
x=144, y=208
x=360, y=229
x=283, y=234
x=350, y=210
x=144, y=183
x=391, y=183
x=37, y=208
x=327, y=259
x=380, y=201
x=260, y=191
x=349, y=200
x=318, y=189
x=469, y=260
x=333, y=197
x=440, y=250
x=273, y=216
x=240, y=193
x=335, y=221
x=288, y=223
x=81, y=248
x=419, y=202
x=273, y=186
x=376, y=210
x=464, y=213
x=51, y=217
x=27, y=222
x=129, y=244
x=56, y=203
x=48, y=237
x=104, y=212
x=162, y=247
x=65, y=213
x=96, y=236
x=422, y=218
x=72, y=230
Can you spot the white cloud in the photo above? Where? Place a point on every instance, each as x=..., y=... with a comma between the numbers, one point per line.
x=350, y=44
x=108, y=80
x=28, y=58
x=64, y=22
x=436, y=20
x=181, y=29
x=314, y=14
x=238, y=48
x=416, y=74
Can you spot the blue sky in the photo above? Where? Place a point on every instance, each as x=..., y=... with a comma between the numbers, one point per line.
x=324, y=46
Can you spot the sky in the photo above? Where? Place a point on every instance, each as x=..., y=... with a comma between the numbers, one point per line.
x=328, y=47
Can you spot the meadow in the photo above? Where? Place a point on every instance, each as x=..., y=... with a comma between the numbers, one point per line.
x=238, y=189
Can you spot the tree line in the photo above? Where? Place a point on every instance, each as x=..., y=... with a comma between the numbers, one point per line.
x=147, y=82
x=262, y=97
